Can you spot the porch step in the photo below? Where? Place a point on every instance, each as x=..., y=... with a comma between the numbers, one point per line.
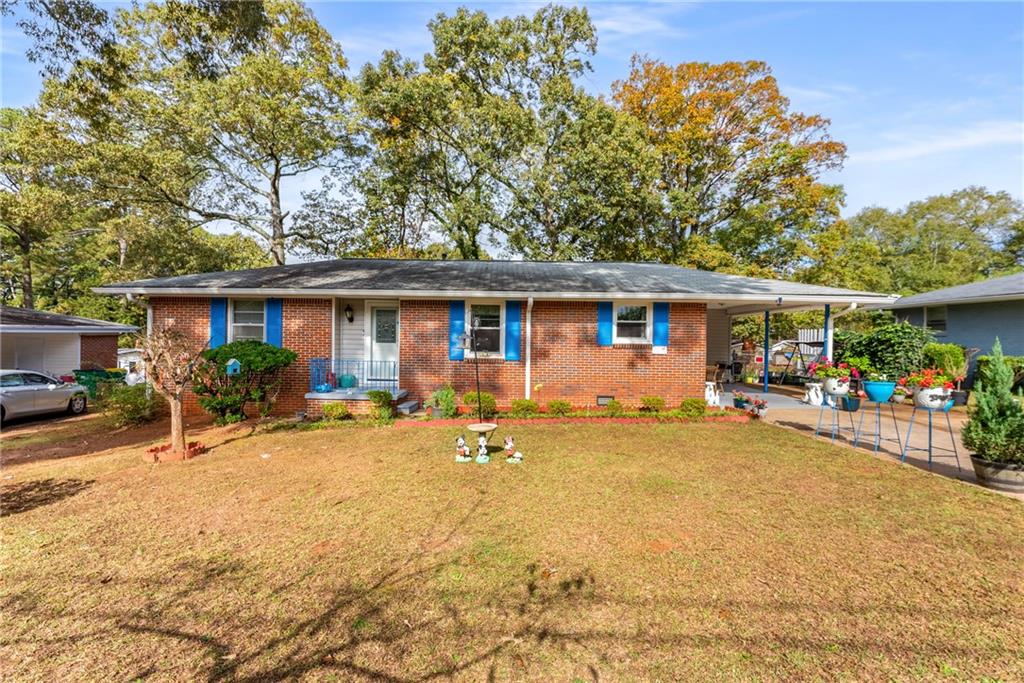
x=408, y=407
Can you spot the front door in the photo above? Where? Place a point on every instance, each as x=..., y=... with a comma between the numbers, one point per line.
x=383, y=341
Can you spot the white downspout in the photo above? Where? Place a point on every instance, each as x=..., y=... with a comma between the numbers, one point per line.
x=529, y=343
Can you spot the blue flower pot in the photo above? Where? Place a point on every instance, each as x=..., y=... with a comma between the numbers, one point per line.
x=879, y=391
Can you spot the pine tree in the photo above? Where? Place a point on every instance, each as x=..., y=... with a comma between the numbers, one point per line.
x=995, y=430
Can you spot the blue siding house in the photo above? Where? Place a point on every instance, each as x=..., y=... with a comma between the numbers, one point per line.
x=971, y=315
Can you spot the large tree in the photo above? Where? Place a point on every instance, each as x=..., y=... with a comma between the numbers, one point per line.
x=937, y=242
x=178, y=112
x=739, y=171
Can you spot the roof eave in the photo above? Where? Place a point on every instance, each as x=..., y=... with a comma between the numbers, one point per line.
x=954, y=302
x=68, y=329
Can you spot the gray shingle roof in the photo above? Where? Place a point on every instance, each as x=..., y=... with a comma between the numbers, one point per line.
x=1008, y=287
x=416, y=277
x=12, y=317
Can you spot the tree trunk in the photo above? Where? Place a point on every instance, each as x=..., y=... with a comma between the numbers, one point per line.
x=276, y=220
x=178, y=444
x=28, y=299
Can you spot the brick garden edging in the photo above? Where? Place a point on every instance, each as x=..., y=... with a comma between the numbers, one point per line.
x=456, y=422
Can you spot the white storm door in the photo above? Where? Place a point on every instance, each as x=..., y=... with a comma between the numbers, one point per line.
x=384, y=334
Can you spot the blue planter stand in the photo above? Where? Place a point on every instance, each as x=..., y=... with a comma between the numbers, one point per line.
x=931, y=446
x=835, y=427
x=877, y=434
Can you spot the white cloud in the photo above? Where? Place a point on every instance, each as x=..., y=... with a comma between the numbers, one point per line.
x=923, y=144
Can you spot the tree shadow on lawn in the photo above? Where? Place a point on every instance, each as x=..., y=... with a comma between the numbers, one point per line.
x=28, y=495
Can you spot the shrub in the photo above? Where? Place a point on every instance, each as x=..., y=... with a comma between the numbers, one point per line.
x=487, y=405
x=692, y=407
x=1016, y=364
x=946, y=357
x=652, y=404
x=259, y=380
x=559, y=407
x=444, y=400
x=125, y=405
x=893, y=350
x=334, y=412
x=523, y=407
x=614, y=409
x=381, y=412
x=995, y=430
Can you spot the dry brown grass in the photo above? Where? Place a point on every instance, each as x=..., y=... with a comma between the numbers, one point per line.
x=664, y=552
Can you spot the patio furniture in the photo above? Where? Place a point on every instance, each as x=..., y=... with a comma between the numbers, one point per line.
x=877, y=434
x=931, y=444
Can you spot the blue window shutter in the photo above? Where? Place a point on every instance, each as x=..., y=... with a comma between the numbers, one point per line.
x=456, y=326
x=660, y=335
x=274, y=312
x=604, y=323
x=218, y=322
x=513, y=329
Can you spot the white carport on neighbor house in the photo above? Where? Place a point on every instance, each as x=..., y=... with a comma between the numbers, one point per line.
x=56, y=344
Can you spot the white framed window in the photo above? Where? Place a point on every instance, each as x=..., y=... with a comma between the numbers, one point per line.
x=248, y=319
x=487, y=318
x=632, y=323
x=935, y=319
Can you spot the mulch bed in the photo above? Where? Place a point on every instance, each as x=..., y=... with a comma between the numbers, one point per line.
x=458, y=422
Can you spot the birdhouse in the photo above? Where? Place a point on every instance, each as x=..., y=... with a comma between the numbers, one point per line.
x=233, y=367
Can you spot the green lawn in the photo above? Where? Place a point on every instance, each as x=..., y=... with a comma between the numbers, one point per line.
x=616, y=552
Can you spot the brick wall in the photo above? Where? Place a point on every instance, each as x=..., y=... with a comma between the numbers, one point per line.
x=423, y=357
x=566, y=358
x=307, y=331
x=571, y=366
x=98, y=351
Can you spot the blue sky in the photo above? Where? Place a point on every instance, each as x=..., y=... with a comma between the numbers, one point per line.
x=928, y=97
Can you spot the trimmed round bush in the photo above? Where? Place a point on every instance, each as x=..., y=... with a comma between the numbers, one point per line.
x=126, y=406
x=336, y=411
x=524, y=407
x=614, y=409
x=692, y=407
x=652, y=404
x=559, y=407
x=487, y=404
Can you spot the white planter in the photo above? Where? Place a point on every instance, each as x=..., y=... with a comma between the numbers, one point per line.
x=837, y=386
x=898, y=397
x=931, y=398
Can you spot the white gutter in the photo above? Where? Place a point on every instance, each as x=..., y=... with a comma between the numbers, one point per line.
x=529, y=344
x=66, y=329
x=473, y=294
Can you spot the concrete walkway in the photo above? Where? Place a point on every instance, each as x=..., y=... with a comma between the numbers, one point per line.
x=786, y=410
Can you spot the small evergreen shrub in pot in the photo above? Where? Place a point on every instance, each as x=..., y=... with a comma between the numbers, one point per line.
x=487, y=406
x=995, y=431
x=444, y=402
x=559, y=407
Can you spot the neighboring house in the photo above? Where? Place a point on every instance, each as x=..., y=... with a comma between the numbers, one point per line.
x=971, y=315
x=129, y=359
x=56, y=344
x=582, y=332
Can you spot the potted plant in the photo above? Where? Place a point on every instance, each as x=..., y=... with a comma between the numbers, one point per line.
x=740, y=400
x=835, y=377
x=758, y=407
x=931, y=388
x=995, y=429
x=900, y=393
x=876, y=385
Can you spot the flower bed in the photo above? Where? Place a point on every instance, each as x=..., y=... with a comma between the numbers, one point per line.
x=721, y=416
x=164, y=454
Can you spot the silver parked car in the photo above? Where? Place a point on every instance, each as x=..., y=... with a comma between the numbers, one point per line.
x=24, y=392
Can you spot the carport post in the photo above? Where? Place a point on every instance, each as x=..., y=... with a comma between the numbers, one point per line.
x=826, y=336
x=767, y=345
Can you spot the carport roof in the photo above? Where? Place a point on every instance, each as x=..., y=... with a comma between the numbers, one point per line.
x=14, y=319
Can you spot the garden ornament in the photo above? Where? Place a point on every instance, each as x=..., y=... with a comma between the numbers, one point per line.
x=511, y=454
x=712, y=395
x=813, y=396
x=482, y=456
x=462, y=450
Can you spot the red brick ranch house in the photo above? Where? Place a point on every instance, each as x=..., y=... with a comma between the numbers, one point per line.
x=580, y=332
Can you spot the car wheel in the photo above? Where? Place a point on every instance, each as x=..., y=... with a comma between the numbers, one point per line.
x=76, y=406
x=3, y=415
